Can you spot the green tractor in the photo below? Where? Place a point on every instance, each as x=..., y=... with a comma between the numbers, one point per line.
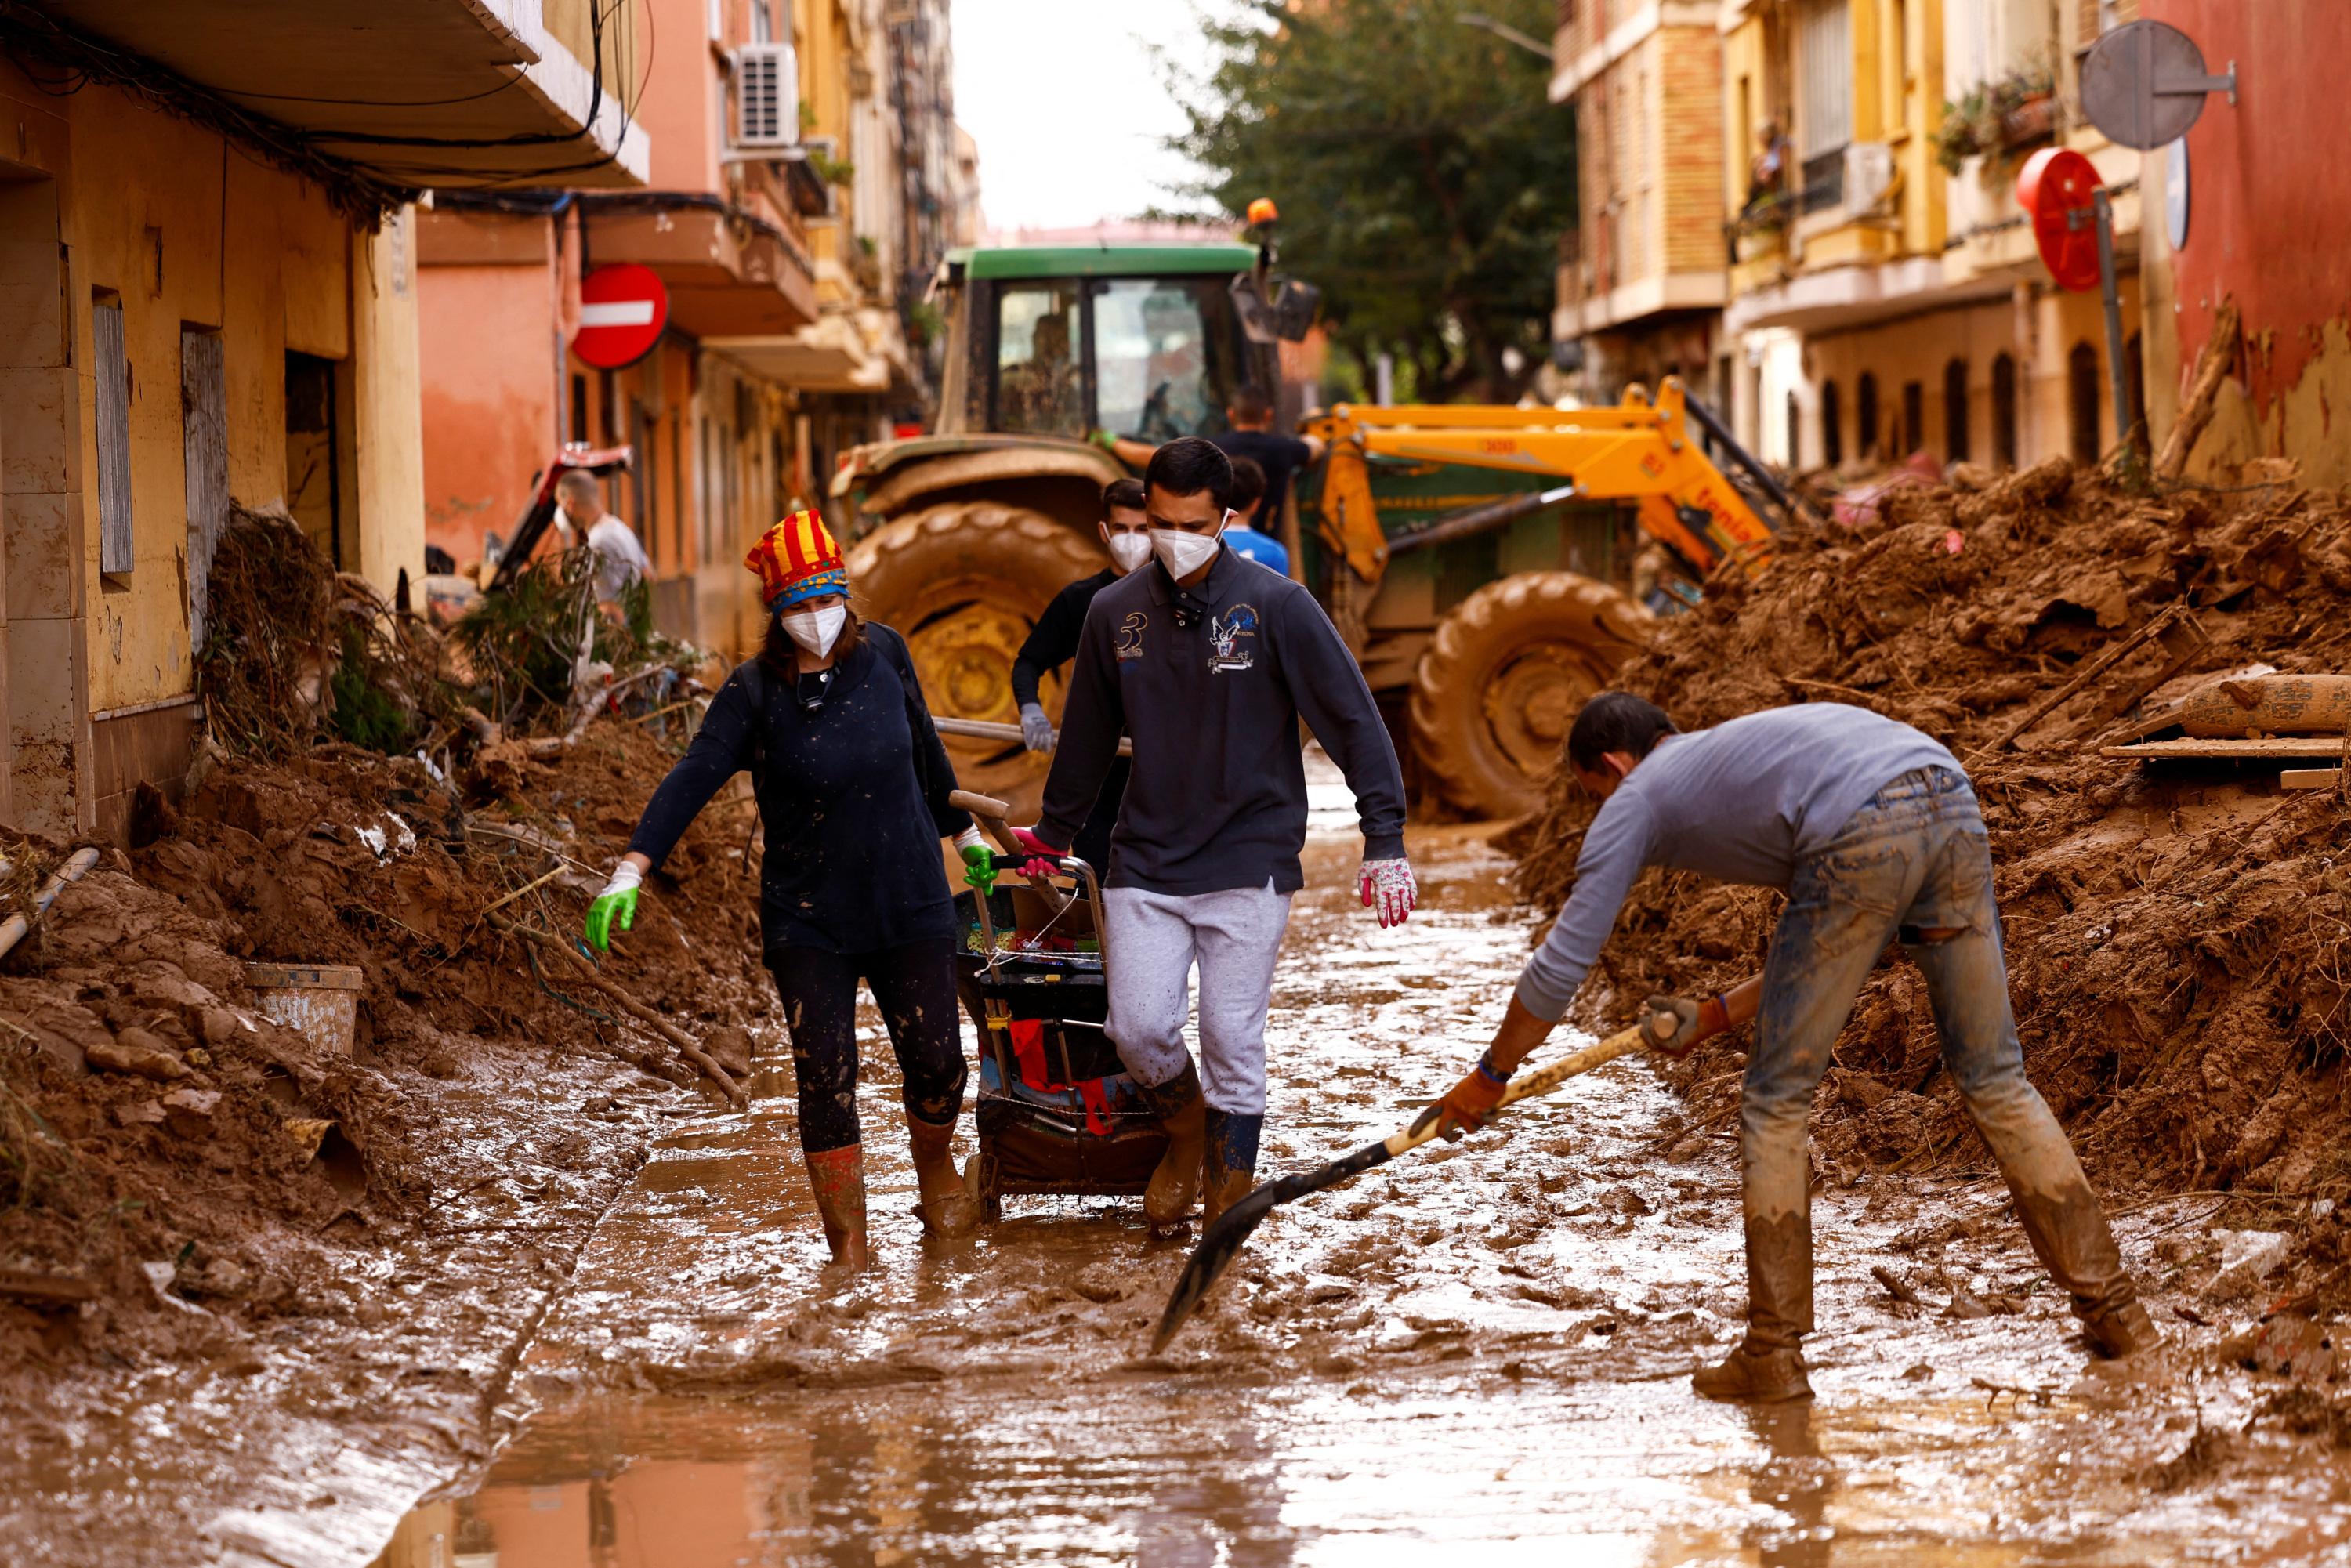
x=1481, y=585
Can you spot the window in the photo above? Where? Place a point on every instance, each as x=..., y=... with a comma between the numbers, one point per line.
x=1039, y=388
x=1913, y=434
x=579, y=409
x=1162, y=357
x=2003, y=411
x=1831, y=417
x=204, y=435
x=112, y=365
x=1824, y=99
x=2082, y=401
x=1955, y=412
x=1864, y=417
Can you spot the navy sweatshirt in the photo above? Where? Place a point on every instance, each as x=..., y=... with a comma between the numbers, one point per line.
x=1210, y=683
x=1051, y=644
x=853, y=796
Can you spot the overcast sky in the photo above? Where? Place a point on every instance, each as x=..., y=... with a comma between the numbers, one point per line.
x=1067, y=106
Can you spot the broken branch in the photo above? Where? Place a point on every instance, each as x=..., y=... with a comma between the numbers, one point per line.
x=630, y=1005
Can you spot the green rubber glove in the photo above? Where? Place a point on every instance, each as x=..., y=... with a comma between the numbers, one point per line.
x=978, y=869
x=619, y=897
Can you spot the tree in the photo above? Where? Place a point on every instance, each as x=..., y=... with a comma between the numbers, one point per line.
x=1423, y=174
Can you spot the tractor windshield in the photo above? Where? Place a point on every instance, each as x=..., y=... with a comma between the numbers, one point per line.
x=1150, y=358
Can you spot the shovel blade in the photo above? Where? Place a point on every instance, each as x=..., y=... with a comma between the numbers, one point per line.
x=1219, y=1245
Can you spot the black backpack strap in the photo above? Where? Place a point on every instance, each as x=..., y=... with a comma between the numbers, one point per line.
x=755, y=686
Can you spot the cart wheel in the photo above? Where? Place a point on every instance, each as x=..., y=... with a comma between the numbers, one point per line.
x=979, y=1179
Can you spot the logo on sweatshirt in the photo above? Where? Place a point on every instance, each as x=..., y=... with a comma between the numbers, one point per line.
x=1228, y=651
x=1129, y=641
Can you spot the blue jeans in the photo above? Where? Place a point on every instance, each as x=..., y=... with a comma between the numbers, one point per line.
x=1913, y=862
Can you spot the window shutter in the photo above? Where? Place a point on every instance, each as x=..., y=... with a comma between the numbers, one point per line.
x=204, y=414
x=113, y=367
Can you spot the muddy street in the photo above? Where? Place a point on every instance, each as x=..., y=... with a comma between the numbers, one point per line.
x=1486, y=1345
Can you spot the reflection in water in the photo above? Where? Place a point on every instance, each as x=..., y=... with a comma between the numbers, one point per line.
x=1792, y=1478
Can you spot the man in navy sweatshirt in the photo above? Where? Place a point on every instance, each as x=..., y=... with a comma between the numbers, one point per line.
x=1872, y=829
x=1207, y=662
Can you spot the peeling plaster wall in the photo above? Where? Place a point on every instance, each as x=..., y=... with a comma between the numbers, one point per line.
x=2269, y=224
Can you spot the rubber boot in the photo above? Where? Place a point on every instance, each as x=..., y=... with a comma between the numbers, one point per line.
x=1182, y=1117
x=947, y=1207
x=837, y=1177
x=1769, y=1364
x=2069, y=1234
x=1229, y=1167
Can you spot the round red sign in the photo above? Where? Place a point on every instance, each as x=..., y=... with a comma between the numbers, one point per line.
x=2058, y=186
x=622, y=311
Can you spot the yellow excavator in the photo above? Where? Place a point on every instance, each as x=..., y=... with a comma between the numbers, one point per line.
x=1487, y=564
x=1476, y=558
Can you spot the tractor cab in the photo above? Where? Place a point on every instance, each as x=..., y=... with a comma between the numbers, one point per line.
x=1144, y=341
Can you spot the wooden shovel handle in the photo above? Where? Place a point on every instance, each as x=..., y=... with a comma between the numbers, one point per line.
x=991, y=814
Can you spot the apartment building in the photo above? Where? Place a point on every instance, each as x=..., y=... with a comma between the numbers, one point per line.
x=801, y=172
x=1641, y=277
x=210, y=298
x=1885, y=297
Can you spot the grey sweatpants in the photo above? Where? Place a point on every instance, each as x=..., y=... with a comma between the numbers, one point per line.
x=1155, y=939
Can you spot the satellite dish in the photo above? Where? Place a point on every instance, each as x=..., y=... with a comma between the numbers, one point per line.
x=2144, y=84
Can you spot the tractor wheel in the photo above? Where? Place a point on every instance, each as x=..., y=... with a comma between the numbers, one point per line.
x=963, y=582
x=1502, y=679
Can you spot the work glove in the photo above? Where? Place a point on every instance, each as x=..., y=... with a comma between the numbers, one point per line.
x=1043, y=857
x=1693, y=1021
x=619, y=900
x=1036, y=729
x=1388, y=886
x=1469, y=1104
x=979, y=865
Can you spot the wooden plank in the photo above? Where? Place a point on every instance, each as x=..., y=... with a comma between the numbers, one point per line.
x=2274, y=747
x=203, y=413
x=61, y=1289
x=2311, y=778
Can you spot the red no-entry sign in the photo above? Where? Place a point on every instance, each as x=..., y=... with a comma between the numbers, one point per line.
x=622, y=311
x=2060, y=188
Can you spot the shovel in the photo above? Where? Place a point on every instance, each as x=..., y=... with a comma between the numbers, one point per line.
x=1221, y=1242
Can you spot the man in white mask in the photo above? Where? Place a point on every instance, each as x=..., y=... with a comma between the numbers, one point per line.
x=1208, y=662
x=1125, y=533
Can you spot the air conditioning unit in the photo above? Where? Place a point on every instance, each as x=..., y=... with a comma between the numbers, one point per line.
x=767, y=97
x=1868, y=177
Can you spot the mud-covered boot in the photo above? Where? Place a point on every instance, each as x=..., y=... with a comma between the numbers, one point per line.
x=1229, y=1168
x=1768, y=1366
x=2070, y=1236
x=947, y=1207
x=1182, y=1117
x=837, y=1177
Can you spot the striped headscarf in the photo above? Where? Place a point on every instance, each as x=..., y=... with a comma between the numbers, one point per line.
x=797, y=560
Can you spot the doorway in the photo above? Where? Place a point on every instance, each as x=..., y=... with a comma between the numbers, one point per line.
x=313, y=456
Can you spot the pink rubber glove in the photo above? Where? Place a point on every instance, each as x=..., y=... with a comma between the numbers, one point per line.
x=1044, y=857
x=1388, y=887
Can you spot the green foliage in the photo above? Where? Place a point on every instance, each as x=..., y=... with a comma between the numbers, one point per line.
x=521, y=642
x=1980, y=122
x=365, y=713
x=831, y=170
x=1423, y=174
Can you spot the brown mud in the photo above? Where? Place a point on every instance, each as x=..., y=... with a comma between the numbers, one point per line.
x=2176, y=932
x=1483, y=1347
x=306, y=1274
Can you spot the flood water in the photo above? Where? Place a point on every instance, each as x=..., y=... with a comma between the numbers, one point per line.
x=1481, y=1351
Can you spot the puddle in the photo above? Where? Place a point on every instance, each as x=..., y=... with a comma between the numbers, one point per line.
x=1482, y=1348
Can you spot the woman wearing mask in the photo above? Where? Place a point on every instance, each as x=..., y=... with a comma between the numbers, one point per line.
x=852, y=787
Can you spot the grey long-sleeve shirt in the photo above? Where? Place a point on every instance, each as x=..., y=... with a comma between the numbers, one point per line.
x=1744, y=801
x=1210, y=683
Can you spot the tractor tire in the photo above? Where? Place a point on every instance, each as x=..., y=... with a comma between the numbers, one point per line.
x=963, y=582
x=1502, y=679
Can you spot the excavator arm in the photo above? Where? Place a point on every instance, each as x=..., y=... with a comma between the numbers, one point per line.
x=1640, y=451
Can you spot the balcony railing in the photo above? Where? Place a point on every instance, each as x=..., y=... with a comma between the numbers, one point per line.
x=1824, y=182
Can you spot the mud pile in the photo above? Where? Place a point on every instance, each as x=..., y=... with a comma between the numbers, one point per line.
x=2177, y=932
x=165, y=1143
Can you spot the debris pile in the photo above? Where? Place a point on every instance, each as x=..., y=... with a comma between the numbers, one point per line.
x=163, y=1139
x=2177, y=931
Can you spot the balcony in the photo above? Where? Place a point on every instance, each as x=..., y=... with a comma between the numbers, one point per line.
x=415, y=92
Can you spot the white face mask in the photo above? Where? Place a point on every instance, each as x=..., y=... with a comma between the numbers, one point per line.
x=1129, y=550
x=816, y=628
x=1183, y=554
